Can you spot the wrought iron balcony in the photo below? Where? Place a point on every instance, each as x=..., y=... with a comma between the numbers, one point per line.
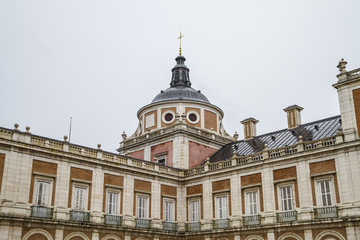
x=113, y=220
x=143, y=223
x=289, y=216
x=221, y=223
x=326, y=212
x=170, y=226
x=42, y=212
x=252, y=220
x=79, y=216
x=193, y=227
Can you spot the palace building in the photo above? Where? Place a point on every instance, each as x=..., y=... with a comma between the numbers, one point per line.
x=182, y=176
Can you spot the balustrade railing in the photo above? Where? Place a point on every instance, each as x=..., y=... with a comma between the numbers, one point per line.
x=42, y=212
x=221, y=223
x=170, y=226
x=193, y=227
x=326, y=212
x=252, y=220
x=113, y=220
x=79, y=216
x=289, y=216
x=143, y=223
x=5, y=133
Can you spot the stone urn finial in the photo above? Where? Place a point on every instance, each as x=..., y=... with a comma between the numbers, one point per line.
x=65, y=138
x=27, y=129
x=16, y=125
x=236, y=135
x=124, y=136
x=99, y=146
x=342, y=66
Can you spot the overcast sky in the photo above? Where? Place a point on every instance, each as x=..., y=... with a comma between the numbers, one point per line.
x=99, y=62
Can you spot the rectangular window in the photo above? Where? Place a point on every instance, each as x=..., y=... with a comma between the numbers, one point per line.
x=324, y=193
x=42, y=197
x=80, y=198
x=252, y=203
x=112, y=203
x=286, y=198
x=221, y=207
x=194, y=210
x=169, y=207
x=142, y=206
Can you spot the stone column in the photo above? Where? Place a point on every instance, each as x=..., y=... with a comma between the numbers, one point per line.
x=207, y=204
x=268, y=193
x=62, y=190
x=235, y=199
x=97, y=192
x=128, y=201
x=155, y=204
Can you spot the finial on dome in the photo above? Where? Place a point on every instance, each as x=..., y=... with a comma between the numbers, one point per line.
x=180, y=37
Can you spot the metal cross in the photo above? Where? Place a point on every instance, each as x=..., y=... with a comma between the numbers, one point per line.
x=180, y=37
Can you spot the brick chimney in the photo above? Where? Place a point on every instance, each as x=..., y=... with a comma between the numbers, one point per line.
x=293, y=116
x=249, y=128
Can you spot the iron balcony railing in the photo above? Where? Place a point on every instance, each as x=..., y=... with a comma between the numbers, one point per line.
x=326, y=212
x=289, y=216
x=193, y=227
x=170, y=226
x=221, y=223
x=42, y=212
x=143, y=223
x=252, y=220
x=113, y=220
x=79, y=216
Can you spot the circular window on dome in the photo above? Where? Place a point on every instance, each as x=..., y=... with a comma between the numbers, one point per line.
x=168, y=117
x=193, y=117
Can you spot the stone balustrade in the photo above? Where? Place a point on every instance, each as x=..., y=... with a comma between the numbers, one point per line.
x=64, y=146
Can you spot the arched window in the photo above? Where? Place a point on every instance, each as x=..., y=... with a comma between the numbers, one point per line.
x=37, y=234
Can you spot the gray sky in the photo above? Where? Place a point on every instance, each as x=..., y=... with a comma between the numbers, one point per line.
x=100, y=61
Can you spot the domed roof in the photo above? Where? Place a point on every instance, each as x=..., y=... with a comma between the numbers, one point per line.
x=180, y=86
x=180, y=93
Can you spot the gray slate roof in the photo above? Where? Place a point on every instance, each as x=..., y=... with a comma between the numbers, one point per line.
x=180, y=93
x=310, y=131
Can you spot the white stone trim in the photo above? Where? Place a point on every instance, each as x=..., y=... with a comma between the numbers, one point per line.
x=164, y=114
x=37, y=231
x=254, y=237
x=76, y=234
x=290, y=235
x=107, y=237
x=197, y=117
x=331, y=233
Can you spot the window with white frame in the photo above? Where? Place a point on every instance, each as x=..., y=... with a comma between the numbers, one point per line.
x=221, y=203
x=80, y=192
x=142, y=207
x=252, y=202
x=194, y=210
x=43, y=187
x=325, y=192
x=169, y=210
x=112, y=202
x=286, y=198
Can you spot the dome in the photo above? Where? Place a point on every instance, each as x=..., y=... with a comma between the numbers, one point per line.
x=180, y=93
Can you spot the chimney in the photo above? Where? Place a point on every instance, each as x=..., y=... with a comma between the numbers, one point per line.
x=249, y=128
x=293, y=116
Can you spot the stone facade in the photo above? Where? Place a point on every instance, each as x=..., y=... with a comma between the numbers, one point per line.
x=54, y=190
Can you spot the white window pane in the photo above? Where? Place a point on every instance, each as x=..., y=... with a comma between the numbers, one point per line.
x=42, y=193
x=194, y=211
x=80, y=199
x=286, y=198
x=112, y=203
